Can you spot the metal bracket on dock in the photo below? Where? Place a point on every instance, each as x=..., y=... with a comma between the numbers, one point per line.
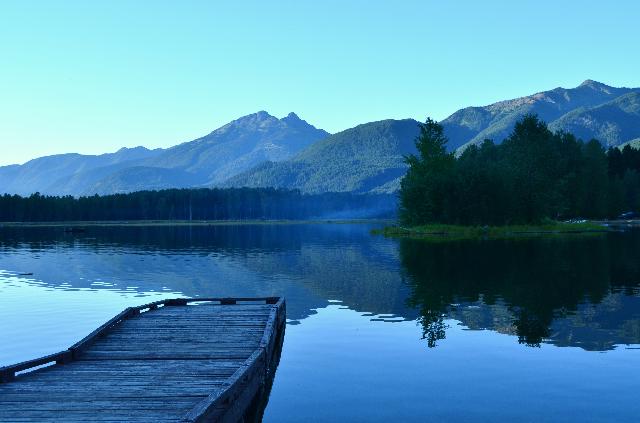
x=8, y=373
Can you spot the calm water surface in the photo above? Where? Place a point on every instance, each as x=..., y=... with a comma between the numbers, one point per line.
x=378, y=330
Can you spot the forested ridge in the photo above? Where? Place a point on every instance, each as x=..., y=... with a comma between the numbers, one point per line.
x=364, y=159
x=535, y=174
x=193, y=204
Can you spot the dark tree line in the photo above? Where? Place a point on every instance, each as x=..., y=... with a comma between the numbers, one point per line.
x=533, y=175
x=191, y=204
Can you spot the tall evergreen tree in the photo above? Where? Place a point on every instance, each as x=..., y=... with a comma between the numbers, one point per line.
x=424, y=189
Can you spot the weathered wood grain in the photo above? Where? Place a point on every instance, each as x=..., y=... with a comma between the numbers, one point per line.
x=189, y=360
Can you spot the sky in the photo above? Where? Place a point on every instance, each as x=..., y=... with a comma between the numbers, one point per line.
x=92, y=77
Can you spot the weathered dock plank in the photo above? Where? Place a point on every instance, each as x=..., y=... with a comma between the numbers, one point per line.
x=164, y=361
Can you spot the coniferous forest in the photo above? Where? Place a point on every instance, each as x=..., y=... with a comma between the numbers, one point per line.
x=534, y=175
x=193, y=204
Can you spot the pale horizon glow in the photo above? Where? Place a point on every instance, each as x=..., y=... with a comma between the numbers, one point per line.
x=91, y=78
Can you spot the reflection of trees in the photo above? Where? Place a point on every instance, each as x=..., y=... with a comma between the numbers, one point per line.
x=535, y=289
x=531, y=327
x=433, y=326
x=306, y=263
x=539, y=280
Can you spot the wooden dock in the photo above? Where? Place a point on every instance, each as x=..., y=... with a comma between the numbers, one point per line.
x=188, y=360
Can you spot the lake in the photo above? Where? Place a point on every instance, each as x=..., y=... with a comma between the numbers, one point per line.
x=379, y=330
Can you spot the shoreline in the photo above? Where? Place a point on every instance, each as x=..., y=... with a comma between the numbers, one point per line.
x=169, y=223
x=438, y=232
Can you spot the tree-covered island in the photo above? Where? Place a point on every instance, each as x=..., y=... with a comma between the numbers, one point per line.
x=532, y=182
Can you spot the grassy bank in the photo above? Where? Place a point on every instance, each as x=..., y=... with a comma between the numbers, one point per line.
x=458, y=232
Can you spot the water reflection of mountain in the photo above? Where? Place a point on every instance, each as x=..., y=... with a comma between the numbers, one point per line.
x=593, y=327
x=309, y=264
x=569, y=292
x=565, y=291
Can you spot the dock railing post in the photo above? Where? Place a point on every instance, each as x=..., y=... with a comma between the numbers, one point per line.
x=7, y=376
x=65, y=357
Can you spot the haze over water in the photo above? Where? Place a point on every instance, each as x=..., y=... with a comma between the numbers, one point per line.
x=541, y=329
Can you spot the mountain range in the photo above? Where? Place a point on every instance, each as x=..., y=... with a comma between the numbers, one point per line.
x=591, y=110
x=206, y=161
x=260, y=150
x=71, y=173
x=369, y=157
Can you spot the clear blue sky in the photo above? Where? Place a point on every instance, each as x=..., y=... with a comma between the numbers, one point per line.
x=92, y=76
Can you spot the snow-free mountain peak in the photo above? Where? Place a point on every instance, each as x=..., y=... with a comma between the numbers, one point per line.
x=472, y=125
x=594, y=85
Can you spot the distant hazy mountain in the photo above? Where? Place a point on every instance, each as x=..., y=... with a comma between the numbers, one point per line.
x=236, y=147
x=225, y=152
x=367, y=158
x=240, y=145
x=58, y=174
x=591, y=110
x=140, y=178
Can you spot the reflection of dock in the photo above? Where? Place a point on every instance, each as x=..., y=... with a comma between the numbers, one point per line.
x=172, y=360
